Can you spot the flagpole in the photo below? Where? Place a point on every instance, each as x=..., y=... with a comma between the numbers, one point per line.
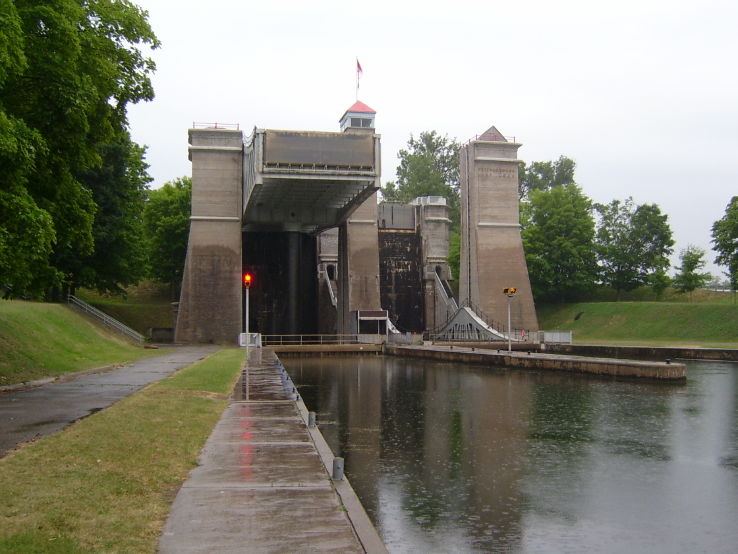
x=359, y=71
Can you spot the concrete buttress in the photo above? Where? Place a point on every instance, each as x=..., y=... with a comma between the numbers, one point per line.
x=210, y=307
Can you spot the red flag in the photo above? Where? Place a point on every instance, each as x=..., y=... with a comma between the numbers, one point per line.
x=358, y=67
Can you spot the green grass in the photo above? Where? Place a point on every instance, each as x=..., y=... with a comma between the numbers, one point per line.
x=657, y=323
x=646, y=294
x=106, y=483
x=40, y=340
x=143, y=307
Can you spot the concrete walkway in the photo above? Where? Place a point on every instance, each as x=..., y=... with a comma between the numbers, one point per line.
x=261, y=485
x=29, y=414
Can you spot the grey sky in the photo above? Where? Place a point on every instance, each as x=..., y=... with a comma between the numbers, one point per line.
x=643, y=95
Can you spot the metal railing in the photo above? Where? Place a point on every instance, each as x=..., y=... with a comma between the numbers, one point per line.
x=506, y=138
x=286, y=340
x=446, y=293
x=332, y=295
x=478, y=335
x=556, y=337
x=105, y=319
x=496, y=325
x=228, y=126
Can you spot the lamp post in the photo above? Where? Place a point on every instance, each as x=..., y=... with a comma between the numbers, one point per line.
x=509, y=292
x=247, y=278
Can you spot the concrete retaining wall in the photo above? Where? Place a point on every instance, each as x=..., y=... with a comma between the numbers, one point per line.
x=549, y=362
x=645, y=352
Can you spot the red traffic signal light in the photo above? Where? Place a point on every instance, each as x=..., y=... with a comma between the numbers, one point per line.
x=247, y=279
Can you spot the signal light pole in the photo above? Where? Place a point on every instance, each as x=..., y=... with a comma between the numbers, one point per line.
x=247, y=278
x=509, y=292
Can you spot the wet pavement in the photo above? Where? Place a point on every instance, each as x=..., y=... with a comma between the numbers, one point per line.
x=261, y=485
x=30, y=414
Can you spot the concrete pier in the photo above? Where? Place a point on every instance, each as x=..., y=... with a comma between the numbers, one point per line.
x=262, y=483
x=550, y=362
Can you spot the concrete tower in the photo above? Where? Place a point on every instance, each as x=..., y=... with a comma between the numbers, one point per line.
x=492, y=255
x=358, y=248
x=210, y=302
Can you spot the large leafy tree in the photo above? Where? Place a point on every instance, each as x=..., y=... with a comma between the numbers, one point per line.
x=558, y=237
x=429, y=166
x=68, y=71
x=633, y=243
x=545, y=175
x=688, y=276
x=27, y=233
x=725, y=240
x=167, y=221
x=119, y=190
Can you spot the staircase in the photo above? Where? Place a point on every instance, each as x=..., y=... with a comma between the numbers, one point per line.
x=106, y=320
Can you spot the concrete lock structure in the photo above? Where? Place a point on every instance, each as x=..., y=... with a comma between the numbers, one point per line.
x=298, y=211
x=492, y=256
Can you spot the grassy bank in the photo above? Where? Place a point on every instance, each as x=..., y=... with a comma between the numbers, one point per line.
x=657, y=323
x=40, y=340
x=144, y=306
x=106, y=483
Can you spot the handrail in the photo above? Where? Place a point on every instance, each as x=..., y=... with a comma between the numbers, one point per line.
x=228, y=126
x=447, y=297
x=106, y=319
x=330, y=290
x=312, y=338
x=506, y=138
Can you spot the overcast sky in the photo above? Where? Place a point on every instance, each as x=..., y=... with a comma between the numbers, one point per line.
x=642, y=94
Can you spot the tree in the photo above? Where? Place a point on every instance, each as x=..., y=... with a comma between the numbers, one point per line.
x=119, y=190
x=26, y=240
x=725, y=239
x=167, y=222
x=558, y=238
x=688, y=276
x=632, y=243
x=428, y=167
x=659, y=282
x=545, y=175
x=68, y=71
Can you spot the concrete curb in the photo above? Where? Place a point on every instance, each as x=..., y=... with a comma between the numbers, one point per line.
x=363, y=526
x=66, y=377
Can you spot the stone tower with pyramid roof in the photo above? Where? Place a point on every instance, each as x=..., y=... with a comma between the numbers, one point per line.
x=492, y=256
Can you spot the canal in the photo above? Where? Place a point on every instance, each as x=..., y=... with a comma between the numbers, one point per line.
x=449, y=458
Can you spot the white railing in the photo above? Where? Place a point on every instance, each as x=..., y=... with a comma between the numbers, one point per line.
x=227, y=126
x=105, y=319
x=449, y=299
x=330, y=290
x=556, y=337
x=249, y=340
x=285, y=340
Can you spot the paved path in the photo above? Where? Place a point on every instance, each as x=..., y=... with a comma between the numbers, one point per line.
x=261, y=485
x=29, y=414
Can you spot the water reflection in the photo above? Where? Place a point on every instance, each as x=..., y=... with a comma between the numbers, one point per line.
x=449, y=459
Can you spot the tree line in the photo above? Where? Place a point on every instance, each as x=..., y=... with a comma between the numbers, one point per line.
x=75, y=205
x=571, y=243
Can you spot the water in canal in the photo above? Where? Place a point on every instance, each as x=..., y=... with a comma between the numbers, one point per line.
x=453, y=458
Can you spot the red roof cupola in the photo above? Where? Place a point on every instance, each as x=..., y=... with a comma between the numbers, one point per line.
x=358, y=116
